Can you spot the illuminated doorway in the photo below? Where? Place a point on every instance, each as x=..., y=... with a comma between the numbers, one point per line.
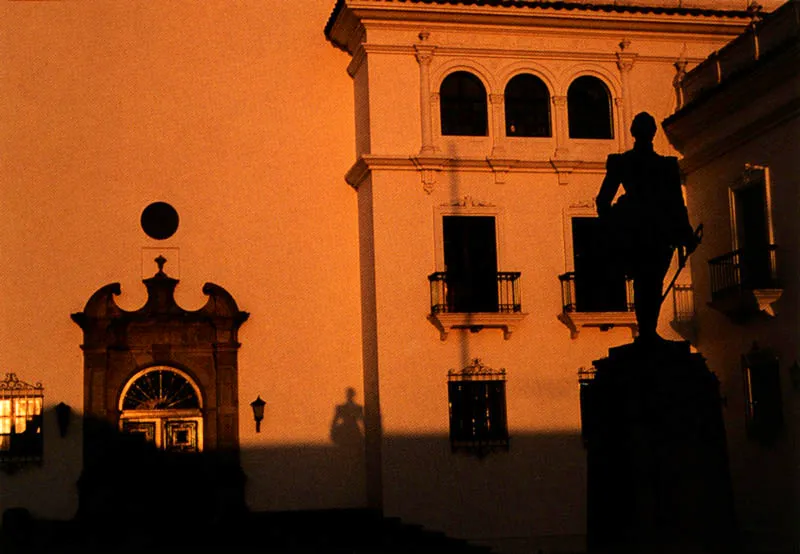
x=163, y=405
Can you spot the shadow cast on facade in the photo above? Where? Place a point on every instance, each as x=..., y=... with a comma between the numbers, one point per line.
x=133, y=496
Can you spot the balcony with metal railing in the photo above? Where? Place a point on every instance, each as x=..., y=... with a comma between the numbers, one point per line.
x=745, y=281
x=586, y=305
x=475, y=304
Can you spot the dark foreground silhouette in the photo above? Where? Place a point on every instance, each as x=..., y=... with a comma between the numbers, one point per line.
x=647, y=223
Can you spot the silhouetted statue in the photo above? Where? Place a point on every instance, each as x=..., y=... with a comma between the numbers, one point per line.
x=646, y=223
x=345, y=427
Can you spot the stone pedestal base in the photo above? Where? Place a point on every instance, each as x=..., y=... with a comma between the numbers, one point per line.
x=658, y=476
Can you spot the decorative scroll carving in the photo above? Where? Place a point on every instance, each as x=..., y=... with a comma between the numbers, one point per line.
x=468, y=202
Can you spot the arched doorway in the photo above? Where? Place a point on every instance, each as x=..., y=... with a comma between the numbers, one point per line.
x=163, y=405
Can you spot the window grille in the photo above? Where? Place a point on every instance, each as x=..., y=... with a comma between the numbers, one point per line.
x=477, y=399
x=20, y=420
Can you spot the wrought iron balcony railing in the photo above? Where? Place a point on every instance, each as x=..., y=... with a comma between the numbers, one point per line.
x=751, y=269
x=452, y=295
x=573, y=301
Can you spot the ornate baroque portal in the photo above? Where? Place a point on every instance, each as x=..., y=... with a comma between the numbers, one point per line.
x=159, y=373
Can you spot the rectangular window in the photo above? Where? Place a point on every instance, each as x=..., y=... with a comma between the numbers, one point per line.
x=750, y=207
x=20, y=420
x=477, y=399
x=470, y=259
x=762, y=387
x=598, y=286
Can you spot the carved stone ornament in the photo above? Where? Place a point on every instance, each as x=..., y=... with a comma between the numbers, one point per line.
x=584, y=204
x=468, y=202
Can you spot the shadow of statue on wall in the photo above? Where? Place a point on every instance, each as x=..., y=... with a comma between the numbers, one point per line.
x=348, y=422
x=647, y=223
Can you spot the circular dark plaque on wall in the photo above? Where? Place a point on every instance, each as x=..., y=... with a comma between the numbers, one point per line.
x=159, y=220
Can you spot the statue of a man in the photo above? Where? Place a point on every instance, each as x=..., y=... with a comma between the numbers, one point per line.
x=648, y=222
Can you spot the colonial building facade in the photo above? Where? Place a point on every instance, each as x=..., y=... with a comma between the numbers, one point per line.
x=376, y=216
x=737, y=129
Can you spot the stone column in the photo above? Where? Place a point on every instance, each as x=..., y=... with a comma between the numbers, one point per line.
x=562, y=130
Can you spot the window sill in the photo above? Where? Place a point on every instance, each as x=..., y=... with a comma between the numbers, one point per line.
x=575, y=321
x=476, y=321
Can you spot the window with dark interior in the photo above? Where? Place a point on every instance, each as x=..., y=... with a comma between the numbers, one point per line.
x=463, y=106
x=597, y=286
x=762, y=387
x=527, y=106
x=470, y=259
x=754, y=248
x=477, y=401
x=20, y=420
x=589, y=109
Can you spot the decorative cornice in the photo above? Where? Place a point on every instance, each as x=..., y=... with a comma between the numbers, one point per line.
x=516, y=53
x=342, y=27
x=428, y=166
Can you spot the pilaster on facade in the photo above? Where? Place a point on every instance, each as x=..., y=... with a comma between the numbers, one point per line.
x=625, y=61
x=497, y=107
x=560, y=116
x=424, y=55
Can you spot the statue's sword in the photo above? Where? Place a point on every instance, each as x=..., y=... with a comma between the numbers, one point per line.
x=683, y=256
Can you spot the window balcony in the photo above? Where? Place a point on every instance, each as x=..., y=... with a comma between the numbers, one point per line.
x=591, y=302
x=744, y=282
x=476, y=302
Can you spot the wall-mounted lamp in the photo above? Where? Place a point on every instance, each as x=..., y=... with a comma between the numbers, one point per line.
x=258, y=411
x=63, y=415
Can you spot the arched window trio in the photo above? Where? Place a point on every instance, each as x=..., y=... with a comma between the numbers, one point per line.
x=464, y=108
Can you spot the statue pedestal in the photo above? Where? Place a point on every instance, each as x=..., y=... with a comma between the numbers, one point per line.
x=658, y=476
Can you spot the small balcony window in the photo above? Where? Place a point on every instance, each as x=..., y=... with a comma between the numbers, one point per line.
x=477, y=403
x=594, y=294
x=20, y=420
x=747, y=277
x=471, y=293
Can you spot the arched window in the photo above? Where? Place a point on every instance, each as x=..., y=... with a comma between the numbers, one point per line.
x=163, y=405
x=589, y=108
x=462, y=100
x=527, y=103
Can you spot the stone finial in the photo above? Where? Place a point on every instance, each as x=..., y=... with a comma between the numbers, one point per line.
x=161, y=260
